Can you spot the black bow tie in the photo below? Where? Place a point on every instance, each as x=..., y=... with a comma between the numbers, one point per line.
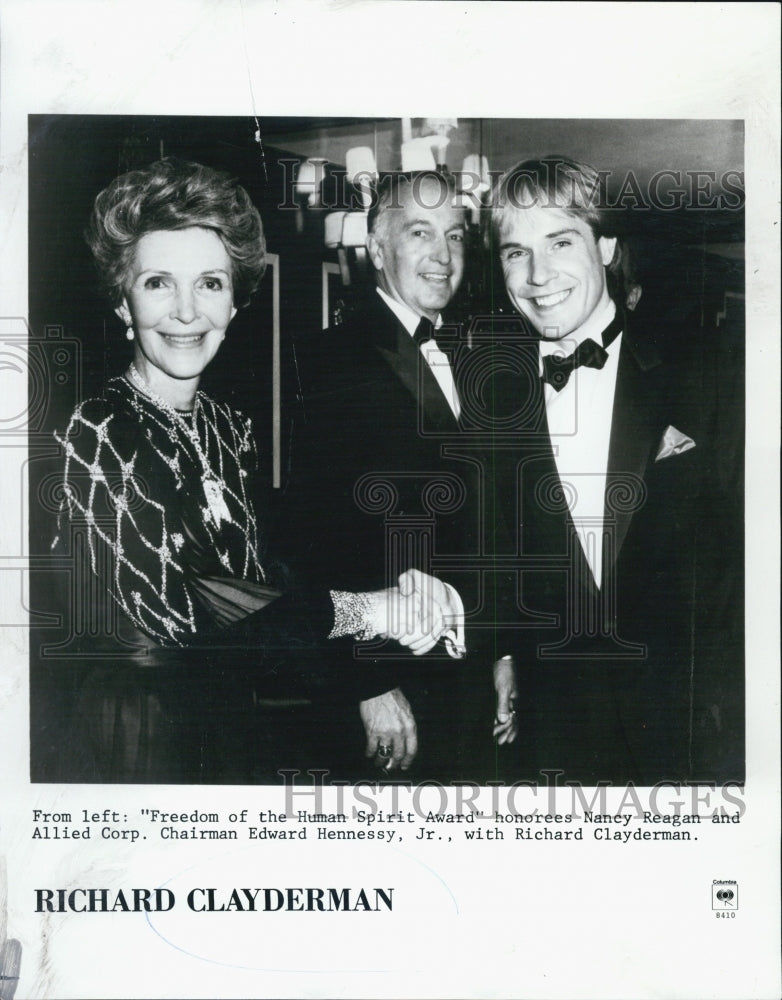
x=424, y=331
x=557, y=370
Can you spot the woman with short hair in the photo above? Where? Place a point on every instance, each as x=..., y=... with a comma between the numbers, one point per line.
x=160, y=475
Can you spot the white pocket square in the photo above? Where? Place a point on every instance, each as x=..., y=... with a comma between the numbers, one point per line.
x=673, y=442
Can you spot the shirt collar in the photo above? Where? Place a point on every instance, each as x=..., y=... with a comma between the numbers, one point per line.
x=593, y=328
x=406, y=316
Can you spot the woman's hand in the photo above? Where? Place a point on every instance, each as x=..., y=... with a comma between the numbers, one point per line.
x=418, y=612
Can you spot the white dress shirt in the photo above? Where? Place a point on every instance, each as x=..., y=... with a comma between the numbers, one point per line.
x=453, y=637
x=579, y=421
x=436, y=359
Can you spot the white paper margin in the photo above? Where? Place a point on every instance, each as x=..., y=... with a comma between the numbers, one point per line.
x=602, y=923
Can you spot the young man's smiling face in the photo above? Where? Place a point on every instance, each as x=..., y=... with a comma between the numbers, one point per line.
x=418, y=248
x=554, y=268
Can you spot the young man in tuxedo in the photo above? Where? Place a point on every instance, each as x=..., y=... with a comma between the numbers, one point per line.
x=611, y=479
x=381, y=467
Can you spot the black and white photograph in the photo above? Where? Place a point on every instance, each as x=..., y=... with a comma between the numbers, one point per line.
x=389, y=438
x=217, y=551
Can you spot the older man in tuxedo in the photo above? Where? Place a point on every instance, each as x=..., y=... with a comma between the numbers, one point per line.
x=612, y=476
x=381, y=466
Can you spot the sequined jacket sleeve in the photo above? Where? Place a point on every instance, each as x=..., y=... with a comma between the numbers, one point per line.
x=137, y=495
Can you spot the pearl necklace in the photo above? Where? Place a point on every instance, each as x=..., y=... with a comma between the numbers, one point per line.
x=216, y=507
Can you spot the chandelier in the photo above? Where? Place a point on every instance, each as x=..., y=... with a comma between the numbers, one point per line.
x=426, y=151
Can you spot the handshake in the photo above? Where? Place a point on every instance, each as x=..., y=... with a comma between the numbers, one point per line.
x=420, y=611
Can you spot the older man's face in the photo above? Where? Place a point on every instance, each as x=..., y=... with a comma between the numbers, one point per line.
x=418, y=249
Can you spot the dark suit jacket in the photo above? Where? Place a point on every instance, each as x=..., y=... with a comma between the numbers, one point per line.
x=617, y=683
x=384, y=479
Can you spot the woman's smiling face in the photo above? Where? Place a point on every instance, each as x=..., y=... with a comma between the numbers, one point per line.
x=179, y=301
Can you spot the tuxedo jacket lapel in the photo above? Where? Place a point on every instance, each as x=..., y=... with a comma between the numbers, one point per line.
x=546, y=522
x=633, y=429
x=401, y=353
x=563, y=523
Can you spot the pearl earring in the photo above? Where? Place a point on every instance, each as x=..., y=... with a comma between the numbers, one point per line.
x=129, y=333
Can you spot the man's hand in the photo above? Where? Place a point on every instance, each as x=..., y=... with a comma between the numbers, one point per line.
x=505, y=722
x=440, y=607
x=419, y=612
x=391, y=731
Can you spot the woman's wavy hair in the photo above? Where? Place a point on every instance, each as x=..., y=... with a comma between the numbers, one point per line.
x=173, y=194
